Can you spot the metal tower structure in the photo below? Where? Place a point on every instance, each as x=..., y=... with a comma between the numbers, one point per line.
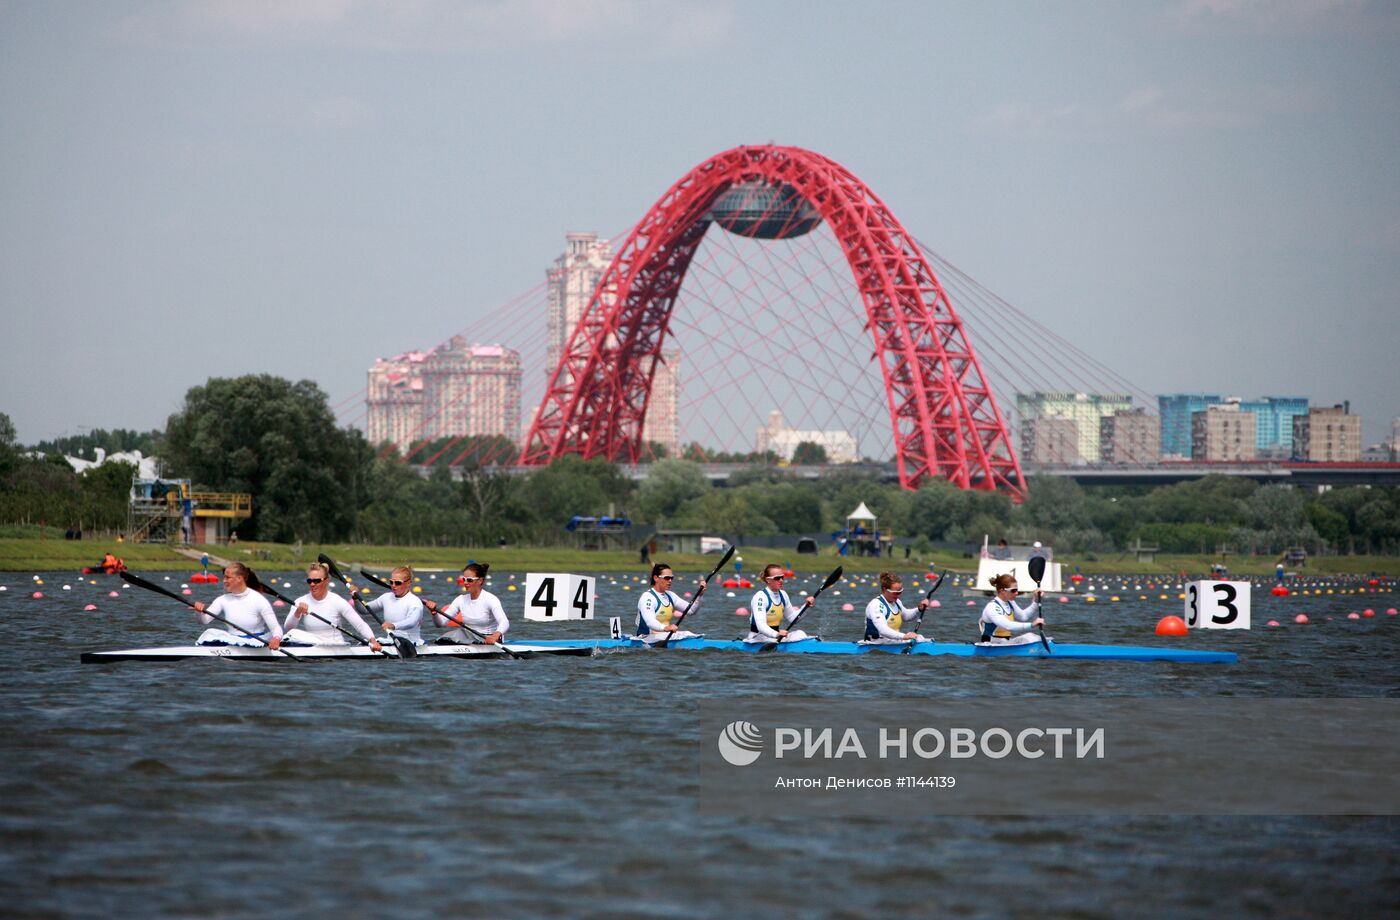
x=945, y=419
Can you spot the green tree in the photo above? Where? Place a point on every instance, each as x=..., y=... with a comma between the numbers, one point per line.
x=571, y=486
x=278, y=441
x=808, y=453
x=668, y=486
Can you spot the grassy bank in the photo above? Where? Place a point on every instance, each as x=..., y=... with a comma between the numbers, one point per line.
x=30, y=554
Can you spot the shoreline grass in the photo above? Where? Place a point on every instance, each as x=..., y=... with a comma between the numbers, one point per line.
x=32, y=554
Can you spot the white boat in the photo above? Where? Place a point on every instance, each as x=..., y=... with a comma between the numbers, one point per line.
x=323, y=652
x=1000, y=560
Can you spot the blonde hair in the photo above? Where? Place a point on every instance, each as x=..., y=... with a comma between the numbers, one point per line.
x=403, y=570
x=319, y=567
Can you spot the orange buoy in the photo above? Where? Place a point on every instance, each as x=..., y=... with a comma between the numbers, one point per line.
x=1368, y=612
x=1171, y=626
x=731, y=583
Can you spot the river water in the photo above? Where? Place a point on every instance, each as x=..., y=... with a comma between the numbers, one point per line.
x=567, y=787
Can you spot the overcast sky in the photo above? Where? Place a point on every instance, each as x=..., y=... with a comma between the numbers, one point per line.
x=1203, y=194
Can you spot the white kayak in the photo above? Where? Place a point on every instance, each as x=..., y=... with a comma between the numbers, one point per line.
x=324, y=652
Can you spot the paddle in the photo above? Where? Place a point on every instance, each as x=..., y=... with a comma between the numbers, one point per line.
x=728, y=554
x=830, y=580
x=509, y=651
x=405, y=646
x=257, y=585
x=936, y=585
x=1036, y=569
x=133, y=579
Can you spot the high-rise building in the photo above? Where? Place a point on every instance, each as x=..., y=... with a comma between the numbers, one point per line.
x=1174, y=412
x=457, y=389
x=1084, y=409
x=1330, y=433
x=570, y=284
x=1273, y=420
x=840, y=446
x=1050, y=439
x=395, y=399
x=1223, y=432
x=662, y=424
x=1129, y=437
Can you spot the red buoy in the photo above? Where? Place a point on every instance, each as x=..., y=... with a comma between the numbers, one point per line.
x=1171, y=626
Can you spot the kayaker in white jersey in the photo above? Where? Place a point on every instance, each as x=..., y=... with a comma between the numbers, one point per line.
x=886, y=615
x=1005, y=622
x=772, y=610
x=399, y=607
x=476, y=607
x=247, y=611
x=317, y=613
x=659, y=607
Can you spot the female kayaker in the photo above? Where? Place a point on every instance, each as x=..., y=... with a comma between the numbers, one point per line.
x=476, y=607
x=659, y=607
x=330, y=610
x=886, y=615
x=399, y=607
x=247, y=611
x=1003, y=619
x=773, y=610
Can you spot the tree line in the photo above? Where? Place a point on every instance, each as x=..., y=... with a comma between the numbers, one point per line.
x=314, y=481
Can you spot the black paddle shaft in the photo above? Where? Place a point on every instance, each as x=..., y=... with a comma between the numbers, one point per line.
x=1036, y=569
x=133, y=579
x=728, y=554
x=257, y=585
x=405, y=647
x=830, y=580
x=384, y=584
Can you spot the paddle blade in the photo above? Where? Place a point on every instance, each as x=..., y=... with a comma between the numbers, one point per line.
x=936, y=585
x=724, y=560
x=374, y=578
x=832, y=578
x=329, y=563
x=1036, y=569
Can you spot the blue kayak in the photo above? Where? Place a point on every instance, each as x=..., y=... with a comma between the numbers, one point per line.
x=964, y=649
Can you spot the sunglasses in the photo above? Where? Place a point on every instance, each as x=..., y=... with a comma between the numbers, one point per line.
x=666, y=577
x=1012, y=590
x=464, y=580
x=777, y=578
x=396, y=583
x=314, y=581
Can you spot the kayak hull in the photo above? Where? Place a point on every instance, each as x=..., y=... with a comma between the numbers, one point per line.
x=962, y=650
x=327, y=652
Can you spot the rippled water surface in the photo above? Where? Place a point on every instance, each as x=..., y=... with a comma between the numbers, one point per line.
x=567, y=787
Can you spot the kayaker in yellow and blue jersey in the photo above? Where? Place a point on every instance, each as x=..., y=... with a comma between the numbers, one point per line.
x=659, y=606
x=886, y=615
x=1003, y=621
x=773, y=610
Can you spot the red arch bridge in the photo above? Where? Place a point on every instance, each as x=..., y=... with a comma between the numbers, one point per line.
x=945, y=421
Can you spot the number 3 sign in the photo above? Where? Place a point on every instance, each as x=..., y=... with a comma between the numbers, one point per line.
x=552, y=596
x=1217, y=605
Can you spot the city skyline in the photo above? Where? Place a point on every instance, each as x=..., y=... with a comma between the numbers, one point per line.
x=216, y=189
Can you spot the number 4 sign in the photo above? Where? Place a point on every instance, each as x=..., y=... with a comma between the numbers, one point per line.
x=1217, y=605
x=551, y=596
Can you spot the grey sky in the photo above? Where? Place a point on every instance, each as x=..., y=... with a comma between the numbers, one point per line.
x=1205, y=195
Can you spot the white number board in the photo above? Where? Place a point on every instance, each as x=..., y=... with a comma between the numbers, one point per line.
x=1217, y=605
x=551, y=596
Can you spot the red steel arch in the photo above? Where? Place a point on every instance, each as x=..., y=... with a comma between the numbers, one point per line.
x=945, y=419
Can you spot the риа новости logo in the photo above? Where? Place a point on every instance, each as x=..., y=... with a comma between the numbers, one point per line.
x=740, y=743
